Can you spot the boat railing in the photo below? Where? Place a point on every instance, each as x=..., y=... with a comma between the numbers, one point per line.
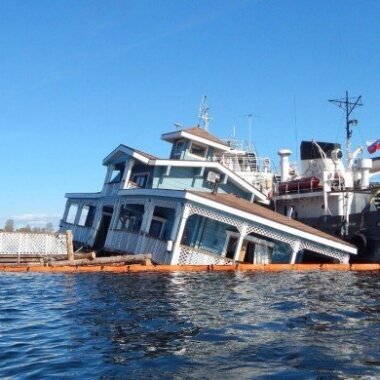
x=243, y=163
x=132, y=185
x=81, y=234
x=122, y=241
x=111, y=189
x=303, y=185
x=126, y=241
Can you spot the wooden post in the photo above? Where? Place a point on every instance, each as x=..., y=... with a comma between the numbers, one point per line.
x=69, y=245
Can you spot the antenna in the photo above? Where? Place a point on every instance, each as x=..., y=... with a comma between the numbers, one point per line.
x=204, y=117
x=250, y=118
x=295, y=126
x=348, y=105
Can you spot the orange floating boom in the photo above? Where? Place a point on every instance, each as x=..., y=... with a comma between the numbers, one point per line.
x=122, y=268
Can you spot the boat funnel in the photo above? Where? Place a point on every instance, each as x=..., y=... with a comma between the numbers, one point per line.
x=365, y=165
x=285, y=166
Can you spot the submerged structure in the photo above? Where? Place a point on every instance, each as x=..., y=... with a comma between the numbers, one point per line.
x=205, y=204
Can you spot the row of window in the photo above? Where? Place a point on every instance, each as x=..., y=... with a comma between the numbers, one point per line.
x=131, y=219
x=87, y=215
x=195, y=149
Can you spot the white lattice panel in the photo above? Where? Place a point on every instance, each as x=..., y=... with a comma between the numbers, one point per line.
x=277, y=235
x=191, y=256
x=43, y=244
x=193, y=209
x=268, y=233
x=304, y=244
x=327, y=251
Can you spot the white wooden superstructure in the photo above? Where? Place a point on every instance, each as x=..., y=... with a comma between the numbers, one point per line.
x=202, y=205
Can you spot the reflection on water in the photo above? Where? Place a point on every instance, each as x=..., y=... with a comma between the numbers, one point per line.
x=198, y=325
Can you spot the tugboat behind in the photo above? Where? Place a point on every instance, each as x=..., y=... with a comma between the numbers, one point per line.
x=334, y=194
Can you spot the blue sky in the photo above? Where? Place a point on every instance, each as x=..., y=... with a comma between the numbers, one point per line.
x=77, y=78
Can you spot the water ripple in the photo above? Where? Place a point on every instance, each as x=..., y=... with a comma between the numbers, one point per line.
x=317, y=325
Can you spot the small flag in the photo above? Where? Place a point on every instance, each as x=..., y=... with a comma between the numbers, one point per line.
x=374, y=146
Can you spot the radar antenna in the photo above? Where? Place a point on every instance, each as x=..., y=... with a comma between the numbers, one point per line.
x=348, y=105
x=204, y=117
x=250, y=146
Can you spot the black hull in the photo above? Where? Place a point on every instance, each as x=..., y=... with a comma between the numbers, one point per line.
x=364, y=232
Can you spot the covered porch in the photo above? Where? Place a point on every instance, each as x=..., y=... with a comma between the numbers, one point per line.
x=182, y=227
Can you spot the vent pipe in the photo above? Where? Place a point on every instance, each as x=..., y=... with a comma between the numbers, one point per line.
x=285, y=166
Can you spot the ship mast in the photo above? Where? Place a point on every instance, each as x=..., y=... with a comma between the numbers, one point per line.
x=204, y=117
x=348, y=105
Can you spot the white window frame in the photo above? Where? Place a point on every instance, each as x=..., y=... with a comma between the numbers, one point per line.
x=69, y=214
x=83, y=215
x=163, y=221
x=200, y=145
x=142, y=174
x=176, y=153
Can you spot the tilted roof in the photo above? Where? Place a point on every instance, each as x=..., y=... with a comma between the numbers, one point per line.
x=261, y=211
x=124, y=149
x=199, y=133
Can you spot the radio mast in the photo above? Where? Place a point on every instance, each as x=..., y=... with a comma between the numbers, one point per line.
x=204, y=117
x=348, y=105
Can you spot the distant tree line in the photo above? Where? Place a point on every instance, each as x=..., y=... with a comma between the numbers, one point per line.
x=9, y=226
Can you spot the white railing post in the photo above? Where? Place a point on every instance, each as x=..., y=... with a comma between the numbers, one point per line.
x=127, y=173
x=177, y=242
x=295, y=249
x=239, y=244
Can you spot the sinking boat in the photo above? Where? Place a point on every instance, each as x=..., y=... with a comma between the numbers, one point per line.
x=208, y=203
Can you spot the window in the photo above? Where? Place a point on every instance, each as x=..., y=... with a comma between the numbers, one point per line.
x=178, y=148
x=156, y=228
x=83, y=216
x=117, y=173
x=140, y=179
x=129, y=220
x=198, y=150
x=87, y=216
x=73, y=209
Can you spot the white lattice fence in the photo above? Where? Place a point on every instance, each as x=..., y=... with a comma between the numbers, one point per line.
x=43, y=244
x=191, y=256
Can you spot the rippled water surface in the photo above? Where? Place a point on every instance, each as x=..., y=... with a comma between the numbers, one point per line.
x=190, y=325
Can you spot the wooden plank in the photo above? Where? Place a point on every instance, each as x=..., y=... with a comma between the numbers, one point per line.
x=69, y=245
x=128, y=259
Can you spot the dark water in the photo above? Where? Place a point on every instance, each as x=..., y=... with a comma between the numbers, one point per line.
x=203, y=325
